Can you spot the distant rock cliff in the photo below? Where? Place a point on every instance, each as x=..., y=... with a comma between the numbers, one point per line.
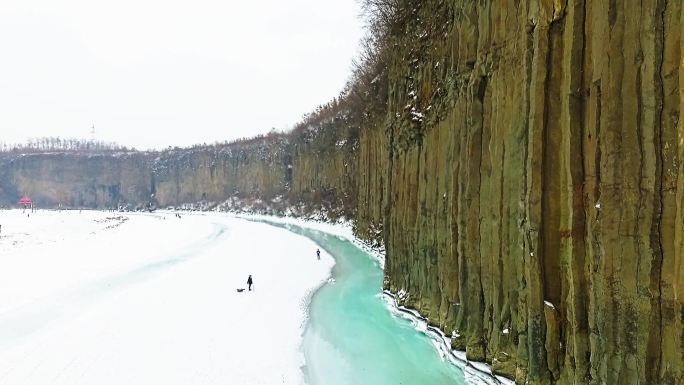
x=72, y=180
x=524, y=172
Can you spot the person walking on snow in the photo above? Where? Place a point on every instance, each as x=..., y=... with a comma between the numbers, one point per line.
x=318, y=253
x=249, y=282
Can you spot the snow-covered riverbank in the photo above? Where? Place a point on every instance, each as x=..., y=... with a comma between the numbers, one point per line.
x=473, y=372
x=111, y=298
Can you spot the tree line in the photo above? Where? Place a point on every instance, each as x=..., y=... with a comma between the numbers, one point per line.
x=57, y=144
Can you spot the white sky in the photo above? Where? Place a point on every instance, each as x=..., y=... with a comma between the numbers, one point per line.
x=153, y=73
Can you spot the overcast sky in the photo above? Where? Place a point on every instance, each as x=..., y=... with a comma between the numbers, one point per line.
x=154, y=73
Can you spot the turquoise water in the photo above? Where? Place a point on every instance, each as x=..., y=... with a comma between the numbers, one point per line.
x=352, y=338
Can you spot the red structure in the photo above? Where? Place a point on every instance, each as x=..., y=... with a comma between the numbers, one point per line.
x=25, y=202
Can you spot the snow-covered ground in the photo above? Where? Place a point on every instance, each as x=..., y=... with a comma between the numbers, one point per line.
x=107, y=298
x=342, y=229
x=474, y=372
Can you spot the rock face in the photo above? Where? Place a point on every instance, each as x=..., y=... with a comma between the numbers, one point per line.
x=70, y=180
x=553, y=175
x=525, y=177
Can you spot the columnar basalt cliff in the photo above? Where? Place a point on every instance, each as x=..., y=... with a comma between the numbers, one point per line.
x=75, y=180
x=521, y=161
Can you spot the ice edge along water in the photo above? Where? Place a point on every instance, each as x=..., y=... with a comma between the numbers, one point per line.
x=479, y=370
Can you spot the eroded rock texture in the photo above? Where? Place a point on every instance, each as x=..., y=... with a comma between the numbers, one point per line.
x=524, y=174
x=539, y=214
x=71, y=180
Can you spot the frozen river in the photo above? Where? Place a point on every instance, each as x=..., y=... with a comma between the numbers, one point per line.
x=354, y=337
x=100, y=298
x=103, y=298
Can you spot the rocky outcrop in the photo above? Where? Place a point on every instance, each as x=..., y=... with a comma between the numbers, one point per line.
x=553, y=176
x=524, y=173
x=72, y=180
x=213, y=174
